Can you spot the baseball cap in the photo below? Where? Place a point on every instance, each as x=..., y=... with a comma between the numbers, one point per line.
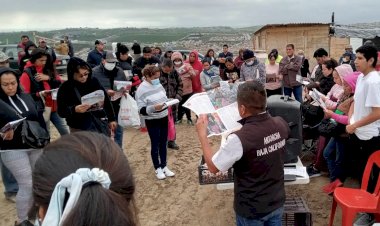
x=110, y=57
x=97, y=42
x=3, y=57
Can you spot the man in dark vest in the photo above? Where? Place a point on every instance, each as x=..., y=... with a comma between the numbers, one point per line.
x=256, y=152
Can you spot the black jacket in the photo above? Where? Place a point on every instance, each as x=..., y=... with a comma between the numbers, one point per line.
x=8, y=114
x=67, y=99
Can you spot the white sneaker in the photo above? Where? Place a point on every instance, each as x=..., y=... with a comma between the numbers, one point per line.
x=160, y=174
x=168, y=172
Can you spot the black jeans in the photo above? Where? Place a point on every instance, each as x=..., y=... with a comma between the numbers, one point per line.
x=158, y=134
x=183, y=110
x=360, y=150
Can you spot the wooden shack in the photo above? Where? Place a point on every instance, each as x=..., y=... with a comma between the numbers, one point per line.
x=305, y=36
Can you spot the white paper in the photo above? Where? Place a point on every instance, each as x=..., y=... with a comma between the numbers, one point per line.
x=54, y=93
x=299, y=171
x=316, y=95
x=120, y=87
x=10, y=126
x=170, y=103
x=305, y=83
x=220, y=106
x=128, y=74
x=199, y=103
x=95, y=99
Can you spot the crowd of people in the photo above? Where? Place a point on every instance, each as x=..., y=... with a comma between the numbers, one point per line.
x=93, y=164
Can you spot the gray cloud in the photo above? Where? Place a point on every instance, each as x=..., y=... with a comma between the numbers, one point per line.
x=44, y=14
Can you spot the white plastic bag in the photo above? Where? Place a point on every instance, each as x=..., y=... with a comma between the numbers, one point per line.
x=128, y=113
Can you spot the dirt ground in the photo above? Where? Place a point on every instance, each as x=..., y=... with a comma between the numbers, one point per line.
x=181, y=200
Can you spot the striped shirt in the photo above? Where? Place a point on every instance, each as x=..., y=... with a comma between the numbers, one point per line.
x=148, y=96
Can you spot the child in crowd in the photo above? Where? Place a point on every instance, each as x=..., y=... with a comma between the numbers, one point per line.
x=334, y=153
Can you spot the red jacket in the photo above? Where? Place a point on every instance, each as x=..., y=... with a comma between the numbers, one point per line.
x=26, y=85
x=197, y=66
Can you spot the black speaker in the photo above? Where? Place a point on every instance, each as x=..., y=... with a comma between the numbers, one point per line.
x=290, y=110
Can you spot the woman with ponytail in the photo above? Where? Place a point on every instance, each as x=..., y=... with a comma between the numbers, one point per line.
x=84, y=179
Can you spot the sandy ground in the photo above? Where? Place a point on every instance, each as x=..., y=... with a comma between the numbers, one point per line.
x=181, y=200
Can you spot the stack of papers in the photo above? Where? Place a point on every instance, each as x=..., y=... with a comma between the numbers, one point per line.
x=299, y=171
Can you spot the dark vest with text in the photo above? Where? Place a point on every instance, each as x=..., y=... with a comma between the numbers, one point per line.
x=259, y=174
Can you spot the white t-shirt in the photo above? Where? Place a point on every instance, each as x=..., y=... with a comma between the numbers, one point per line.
x=367, y=96
x=229, y=153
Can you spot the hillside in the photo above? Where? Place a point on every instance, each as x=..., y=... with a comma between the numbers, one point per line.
x=143, y=35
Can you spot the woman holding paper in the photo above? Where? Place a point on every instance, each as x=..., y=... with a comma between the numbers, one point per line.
x=273, y=78
x=18, y=157
x=39, y=79
x=151, y=101
x=69, y=99
x=186, y=73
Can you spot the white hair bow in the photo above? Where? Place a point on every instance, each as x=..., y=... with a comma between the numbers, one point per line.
x=73, y=183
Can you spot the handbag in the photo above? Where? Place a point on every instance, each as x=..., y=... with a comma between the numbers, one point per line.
x=100, y=125
x=331, y=128
x=34, y=135
x=311, y=114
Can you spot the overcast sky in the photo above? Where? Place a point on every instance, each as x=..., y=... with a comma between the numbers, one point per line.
x=51, y=14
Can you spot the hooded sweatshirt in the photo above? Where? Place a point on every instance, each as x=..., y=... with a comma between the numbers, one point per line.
x=350, y=79
x=186, y=73
x=9, y=105
x=197, y=66
x=68, y=99
x=336, y=92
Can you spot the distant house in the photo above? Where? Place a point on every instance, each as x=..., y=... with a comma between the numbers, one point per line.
x=311, y=36
x=305, y=36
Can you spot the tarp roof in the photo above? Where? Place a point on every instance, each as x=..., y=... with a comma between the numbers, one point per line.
x=366, y=31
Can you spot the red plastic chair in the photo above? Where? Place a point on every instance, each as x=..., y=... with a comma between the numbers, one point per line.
x=353, y=201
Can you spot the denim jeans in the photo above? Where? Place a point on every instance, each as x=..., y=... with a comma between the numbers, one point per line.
x=158, y=134
x=59, y=123
x=334, y=155
x=10, y=183
x=296, y=90
x=272, y=219
x=119, y=136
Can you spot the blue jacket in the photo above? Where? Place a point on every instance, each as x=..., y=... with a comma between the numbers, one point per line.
x=95, y=57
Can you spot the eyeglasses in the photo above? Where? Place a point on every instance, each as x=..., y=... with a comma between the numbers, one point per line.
x=9, y=84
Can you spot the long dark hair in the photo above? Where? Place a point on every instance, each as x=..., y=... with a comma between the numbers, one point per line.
x=96, y=205
x=208, y=52
x=49, y=68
